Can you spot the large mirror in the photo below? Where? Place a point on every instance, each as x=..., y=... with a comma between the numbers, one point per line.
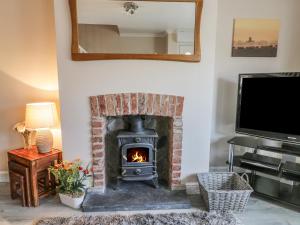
x=118, y=29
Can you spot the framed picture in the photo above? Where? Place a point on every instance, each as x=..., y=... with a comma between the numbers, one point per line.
x=255, y=37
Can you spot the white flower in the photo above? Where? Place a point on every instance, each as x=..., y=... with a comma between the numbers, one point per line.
x=20, y=127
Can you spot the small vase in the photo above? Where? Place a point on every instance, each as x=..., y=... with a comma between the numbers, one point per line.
x=71, y=202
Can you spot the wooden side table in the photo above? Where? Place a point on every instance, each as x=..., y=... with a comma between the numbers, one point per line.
x=37, y=165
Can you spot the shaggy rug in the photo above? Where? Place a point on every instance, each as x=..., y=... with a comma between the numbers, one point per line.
x=197, y=218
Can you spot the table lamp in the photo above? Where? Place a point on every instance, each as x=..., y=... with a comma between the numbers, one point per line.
x=41, y=117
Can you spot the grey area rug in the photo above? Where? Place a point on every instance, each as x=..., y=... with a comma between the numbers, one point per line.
x=197, y=218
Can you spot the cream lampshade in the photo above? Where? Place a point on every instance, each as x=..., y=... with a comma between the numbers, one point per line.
x=41, y=117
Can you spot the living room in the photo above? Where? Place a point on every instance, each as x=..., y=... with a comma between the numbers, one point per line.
x=189, y=100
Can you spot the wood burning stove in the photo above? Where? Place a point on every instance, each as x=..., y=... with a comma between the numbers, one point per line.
x=138, y=147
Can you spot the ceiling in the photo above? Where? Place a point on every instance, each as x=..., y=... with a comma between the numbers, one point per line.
x=150, y=17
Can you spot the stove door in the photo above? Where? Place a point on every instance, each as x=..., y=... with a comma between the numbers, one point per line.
x=137, y=154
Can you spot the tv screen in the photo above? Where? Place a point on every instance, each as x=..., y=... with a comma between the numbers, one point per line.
x=269, y=106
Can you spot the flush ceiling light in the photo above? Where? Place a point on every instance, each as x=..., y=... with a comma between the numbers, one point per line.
x=130, y=7
x=188, y=53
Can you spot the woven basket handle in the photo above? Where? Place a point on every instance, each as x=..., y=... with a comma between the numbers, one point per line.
x=245, y=177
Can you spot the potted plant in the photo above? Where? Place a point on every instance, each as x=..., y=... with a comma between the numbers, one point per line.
x=71, y=177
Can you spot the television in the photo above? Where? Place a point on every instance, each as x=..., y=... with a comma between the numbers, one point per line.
x=268, y=106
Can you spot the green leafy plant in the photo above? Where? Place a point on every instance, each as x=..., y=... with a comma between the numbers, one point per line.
x=70, y=177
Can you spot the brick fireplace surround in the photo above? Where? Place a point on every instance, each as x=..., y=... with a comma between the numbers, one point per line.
x=126, y=104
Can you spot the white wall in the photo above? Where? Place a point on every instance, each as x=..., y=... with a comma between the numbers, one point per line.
x=228, y=68
x=28, y=69
x=79, y=80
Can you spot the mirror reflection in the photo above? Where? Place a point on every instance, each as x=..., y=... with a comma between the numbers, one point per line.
x=136, y=27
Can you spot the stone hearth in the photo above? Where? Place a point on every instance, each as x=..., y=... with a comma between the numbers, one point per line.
x=136, y=196
x=104, y=106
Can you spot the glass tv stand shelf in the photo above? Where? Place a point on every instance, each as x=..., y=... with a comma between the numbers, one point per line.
x=273, y=177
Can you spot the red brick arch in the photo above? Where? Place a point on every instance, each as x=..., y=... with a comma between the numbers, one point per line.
x=124, y=104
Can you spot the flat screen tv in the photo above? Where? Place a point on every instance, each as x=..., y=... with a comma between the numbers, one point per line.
x=269, y=106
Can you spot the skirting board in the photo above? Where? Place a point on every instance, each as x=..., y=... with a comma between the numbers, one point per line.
x=4, y=177
x=192, y=188
x=97, y=190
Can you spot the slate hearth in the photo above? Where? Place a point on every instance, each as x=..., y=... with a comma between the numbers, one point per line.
x=135, y=196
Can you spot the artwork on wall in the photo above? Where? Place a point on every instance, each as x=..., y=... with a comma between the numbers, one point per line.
x=255, y=37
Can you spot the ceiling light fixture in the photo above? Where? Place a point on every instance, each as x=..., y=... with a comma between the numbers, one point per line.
x=130, y=7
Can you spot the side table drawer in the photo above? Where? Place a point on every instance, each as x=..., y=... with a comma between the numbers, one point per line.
x=19, y=160
x=44, y=163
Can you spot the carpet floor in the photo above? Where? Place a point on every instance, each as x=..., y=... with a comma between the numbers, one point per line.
x=196, y=218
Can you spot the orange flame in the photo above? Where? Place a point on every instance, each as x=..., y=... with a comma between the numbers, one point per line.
x=137, y=157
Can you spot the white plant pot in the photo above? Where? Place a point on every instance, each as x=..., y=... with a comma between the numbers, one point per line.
x=71, y=202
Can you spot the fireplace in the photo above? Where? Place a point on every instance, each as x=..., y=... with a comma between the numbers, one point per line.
x=138, y=147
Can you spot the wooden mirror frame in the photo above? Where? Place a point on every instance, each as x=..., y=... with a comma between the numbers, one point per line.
x=77, y=56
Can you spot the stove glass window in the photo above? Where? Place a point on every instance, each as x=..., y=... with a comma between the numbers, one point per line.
x=138, y=155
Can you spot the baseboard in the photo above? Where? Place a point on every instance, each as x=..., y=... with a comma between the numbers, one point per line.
x=192, y=188
x=96, y=190
x=178, y=187
x=218, y=169
x=4, y=177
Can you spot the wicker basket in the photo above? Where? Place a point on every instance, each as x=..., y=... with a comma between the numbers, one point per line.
x=224, y=191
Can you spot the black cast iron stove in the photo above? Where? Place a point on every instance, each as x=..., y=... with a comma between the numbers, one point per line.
x=138, y=147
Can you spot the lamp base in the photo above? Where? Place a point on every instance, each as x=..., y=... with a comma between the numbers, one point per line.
x=44, y=140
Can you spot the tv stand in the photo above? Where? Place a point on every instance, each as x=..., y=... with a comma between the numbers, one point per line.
x=271, y=143
x=278, y=179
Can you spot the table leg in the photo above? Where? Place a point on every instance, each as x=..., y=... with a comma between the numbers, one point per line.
x=34, y=184
x=53, y=184
x=12, y=194
x=230, y=157
x=60, y=158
